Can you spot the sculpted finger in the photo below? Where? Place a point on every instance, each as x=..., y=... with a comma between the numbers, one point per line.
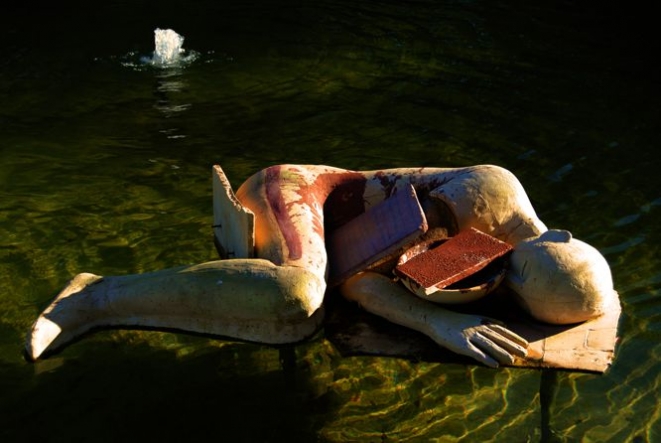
x=490, y=347
x=514, y=345
x=476, y=353
x=512, y=336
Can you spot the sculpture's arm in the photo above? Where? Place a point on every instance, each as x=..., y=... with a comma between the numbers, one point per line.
x=478, y=337
x=491, y=199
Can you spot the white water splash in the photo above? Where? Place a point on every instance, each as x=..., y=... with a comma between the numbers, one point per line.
x=168, y=55
x=167, y=47
x=168, y=50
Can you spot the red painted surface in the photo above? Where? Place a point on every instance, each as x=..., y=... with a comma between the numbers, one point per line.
x=278, y=205
x=460, y=256
x=379, y=232
x=345, y=202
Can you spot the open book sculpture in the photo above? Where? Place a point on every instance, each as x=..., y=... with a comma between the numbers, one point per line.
x=291, y=232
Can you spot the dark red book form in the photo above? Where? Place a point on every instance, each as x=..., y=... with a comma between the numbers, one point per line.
x=457, y=258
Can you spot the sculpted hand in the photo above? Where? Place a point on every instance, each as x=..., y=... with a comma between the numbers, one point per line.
x=484, y=339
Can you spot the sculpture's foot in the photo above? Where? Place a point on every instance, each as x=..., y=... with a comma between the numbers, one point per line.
x=68, y=316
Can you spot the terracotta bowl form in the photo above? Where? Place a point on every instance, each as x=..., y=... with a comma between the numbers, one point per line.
x=466, y=290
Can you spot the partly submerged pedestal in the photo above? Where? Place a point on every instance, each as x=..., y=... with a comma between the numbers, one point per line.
x=588, y=346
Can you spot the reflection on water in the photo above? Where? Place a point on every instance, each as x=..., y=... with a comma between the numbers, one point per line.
x=396, y=401
x=106, y=168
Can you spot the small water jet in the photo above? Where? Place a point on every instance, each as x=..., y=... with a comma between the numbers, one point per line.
x=168, y=50
x=167, y=46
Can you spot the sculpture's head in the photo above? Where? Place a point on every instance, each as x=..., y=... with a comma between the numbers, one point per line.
x=559, y=279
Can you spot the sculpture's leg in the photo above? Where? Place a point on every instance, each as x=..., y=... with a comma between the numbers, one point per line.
x=248, y=299
x=475, y=336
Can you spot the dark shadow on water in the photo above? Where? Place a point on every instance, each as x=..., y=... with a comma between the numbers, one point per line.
x=136, y=393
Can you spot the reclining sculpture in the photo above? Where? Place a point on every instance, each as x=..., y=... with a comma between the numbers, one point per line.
x=273, y=292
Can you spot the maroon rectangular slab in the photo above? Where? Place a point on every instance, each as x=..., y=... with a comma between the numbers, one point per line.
x=381, y=230
x=457, y=258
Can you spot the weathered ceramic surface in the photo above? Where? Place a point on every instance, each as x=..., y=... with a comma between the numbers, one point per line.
x=278, y=296
x=560, y=279
x=588, y=346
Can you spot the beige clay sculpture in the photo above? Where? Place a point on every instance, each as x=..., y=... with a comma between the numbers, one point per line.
x=271, y=287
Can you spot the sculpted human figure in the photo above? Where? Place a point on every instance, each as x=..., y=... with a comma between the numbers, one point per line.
x=277, y=296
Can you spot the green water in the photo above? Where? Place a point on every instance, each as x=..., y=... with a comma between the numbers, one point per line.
x=105, y=167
